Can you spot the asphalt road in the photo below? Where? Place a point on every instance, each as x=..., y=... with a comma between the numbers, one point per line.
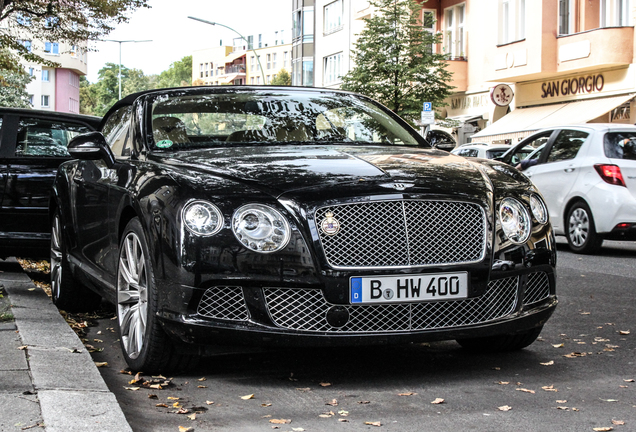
x=577, y=377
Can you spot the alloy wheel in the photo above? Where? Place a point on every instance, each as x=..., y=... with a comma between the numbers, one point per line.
x=579, y=227
x=132, y=295
x=56, y=257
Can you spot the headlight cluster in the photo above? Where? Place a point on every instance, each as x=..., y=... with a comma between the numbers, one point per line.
x=515, y=218
x=258, y=227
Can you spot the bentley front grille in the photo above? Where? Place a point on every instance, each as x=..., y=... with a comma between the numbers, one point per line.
x=401, y=233
x=223, y=302
x=307, y=310
x=537, y=288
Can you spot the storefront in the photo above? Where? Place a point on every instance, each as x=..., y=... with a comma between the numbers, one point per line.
x=470, y=112
x=590, y=97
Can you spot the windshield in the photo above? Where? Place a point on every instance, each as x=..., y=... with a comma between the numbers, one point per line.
x=227, y=119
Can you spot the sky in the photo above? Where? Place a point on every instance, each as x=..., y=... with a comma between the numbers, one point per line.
x=174, y=36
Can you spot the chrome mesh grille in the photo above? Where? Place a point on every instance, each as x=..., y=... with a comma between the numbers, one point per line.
x=305, y=310
x=403, y=233
x=537, y=288
x=223, y=302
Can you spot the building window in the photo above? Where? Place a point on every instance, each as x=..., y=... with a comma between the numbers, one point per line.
x=260, y=41
x=31, y=99
x=200, y=70
x=512, y=20
x=45, y=101
x=332, y=68
x=45, y=75
x=73, y=105
x=428, y=23
x=566, y=17
x=74, y=51
x=26, y=44
x=333, y=16
x=252, y=80
x=252, y=62
x=615, y=13
x=50, y=22
x=52, y=48
x=274, y=61
x=23, y=20
x=73, y=79
x=308, y=73
x=268, y=79
x=269, y=61
x=285, y=59
x=454, y=37
x=303, y=22
x=31, y=71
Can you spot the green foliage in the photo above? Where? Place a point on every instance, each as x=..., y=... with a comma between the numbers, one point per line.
x=283, y=78
x=13, y=82
x=394, y=63
x=178, y=75
x=72, y=22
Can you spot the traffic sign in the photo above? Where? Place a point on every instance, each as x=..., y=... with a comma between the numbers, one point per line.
x=428, y=106
x=428, y=117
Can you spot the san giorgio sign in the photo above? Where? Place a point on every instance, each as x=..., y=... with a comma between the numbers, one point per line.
x=575, y=87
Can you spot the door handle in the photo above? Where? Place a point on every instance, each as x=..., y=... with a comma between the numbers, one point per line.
x=568, y=170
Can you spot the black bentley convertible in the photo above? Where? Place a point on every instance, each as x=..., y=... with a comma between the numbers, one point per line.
x=292, y=216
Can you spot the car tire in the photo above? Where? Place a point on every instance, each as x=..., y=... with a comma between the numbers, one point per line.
x=145, y=345
x=67, y=293
x=581, y=231
x=501, y=343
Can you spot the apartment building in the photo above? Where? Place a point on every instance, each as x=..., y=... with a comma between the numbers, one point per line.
x=255, y=60
x=55, y=89
x=518, y=65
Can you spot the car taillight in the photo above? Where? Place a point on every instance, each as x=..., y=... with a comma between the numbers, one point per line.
x=610, y=174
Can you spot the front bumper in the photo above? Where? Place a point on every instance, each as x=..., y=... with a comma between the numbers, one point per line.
x=303, y=317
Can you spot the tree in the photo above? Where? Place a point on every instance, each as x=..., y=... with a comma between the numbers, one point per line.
x=178, y=75
x=13, y=82
x=394, y=62
x=283, y=78
x=72, y=22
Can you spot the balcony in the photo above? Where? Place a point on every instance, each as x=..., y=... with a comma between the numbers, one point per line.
x=459, y=69
x=595, y=49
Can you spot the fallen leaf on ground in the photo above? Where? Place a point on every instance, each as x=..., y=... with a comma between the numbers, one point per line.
x=603, y=429
x=609, y=400
x=153, y=396
x=438, y=401
x=564, y=408
x=192, y=416
x=377, y=424
x=327, y=414
x=623, y=332
x=304, y=389
x=364, y=402
x=618, y=422
x=343, y=420
x=247, y=397
x=324, y=384
x=161, y=405
x=525, y=390
x=574, y=355
x=101, y=364
x=172, y=398
x=132, y=388
x=209, y=402
x=334, y=402
x=584, y=313
x=298, y=429
x=185, y=429
x=202, y=386
x=504, y=408
x=629, y=380
x=343, y=413
x=561, y=401
x=561, y=345
x=182, y=411
x=280, y=421
x=550, y=363
x=203, y=379
x=265, y=405
x=549, y=388
x=503, y=382
x=407, y=394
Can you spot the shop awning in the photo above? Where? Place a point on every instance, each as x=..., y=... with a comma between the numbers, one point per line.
x=539, y=117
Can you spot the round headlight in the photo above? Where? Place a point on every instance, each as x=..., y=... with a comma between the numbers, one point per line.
x=261, y=228
x=515, y=220
x=202, y=218
x=539, y=209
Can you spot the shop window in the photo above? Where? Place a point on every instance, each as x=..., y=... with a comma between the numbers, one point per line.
x=454, y=44
x=512, y=20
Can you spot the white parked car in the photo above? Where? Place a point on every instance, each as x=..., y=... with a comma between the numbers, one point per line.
x=488, y=151
x=587, y=175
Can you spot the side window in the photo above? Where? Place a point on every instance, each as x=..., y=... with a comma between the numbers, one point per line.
x=524, y=149
x=472, y=153
x=620, y=145
x=567, y=145
x=116, y=131
x=40, y=137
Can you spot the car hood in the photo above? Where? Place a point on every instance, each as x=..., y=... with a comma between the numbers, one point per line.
x=289, y=169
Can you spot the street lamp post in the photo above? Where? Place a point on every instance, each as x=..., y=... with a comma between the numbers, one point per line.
x=121, y=42
x=240, y=35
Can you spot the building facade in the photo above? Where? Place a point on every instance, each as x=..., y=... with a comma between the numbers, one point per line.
x=557, y=61
x=254, y=60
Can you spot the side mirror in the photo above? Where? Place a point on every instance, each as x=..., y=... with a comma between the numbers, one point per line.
x=91, y=146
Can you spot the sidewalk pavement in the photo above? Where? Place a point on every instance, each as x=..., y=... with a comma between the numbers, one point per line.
x=47, y=378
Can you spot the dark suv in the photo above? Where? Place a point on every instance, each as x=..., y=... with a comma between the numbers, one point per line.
x=32, y=146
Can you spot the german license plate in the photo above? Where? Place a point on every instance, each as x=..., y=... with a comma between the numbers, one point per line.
x=409, y=288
